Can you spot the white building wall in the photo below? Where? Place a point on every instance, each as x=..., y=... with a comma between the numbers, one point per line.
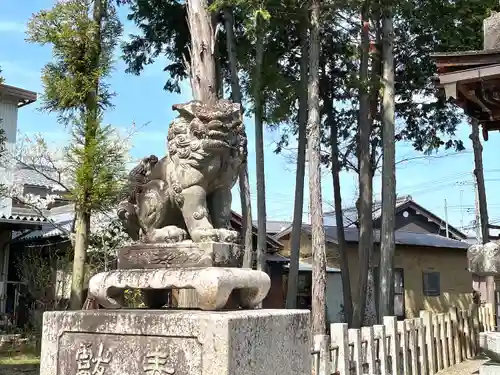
x=8, y=116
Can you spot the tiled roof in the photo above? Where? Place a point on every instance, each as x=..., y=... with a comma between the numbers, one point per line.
x=351, y=213
x=273, y=227
x=402, y=237
x=24, y=218
x=24, y=175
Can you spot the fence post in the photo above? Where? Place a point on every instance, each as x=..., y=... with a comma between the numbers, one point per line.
x=442, y=335
x=437, y=337
x=491, y=315
x=429, y=340
x=449, y=336
x=355, y=340
x=339, y=338
x=402, y=329
x=474, y=329
x=391, y=330
x=379, y=331
x=321, y=344
x=371, y=358
x=467, y=334
x=456, y=334
x=424, y=365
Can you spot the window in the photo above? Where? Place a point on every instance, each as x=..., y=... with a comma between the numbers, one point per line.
x=431, y=284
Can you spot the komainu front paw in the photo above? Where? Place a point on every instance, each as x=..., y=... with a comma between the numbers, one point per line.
x=216, y=235
x=205, y=235
x=168, y=234
x=227, y=235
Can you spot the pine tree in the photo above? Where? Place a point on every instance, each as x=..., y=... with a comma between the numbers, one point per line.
x=83, y=35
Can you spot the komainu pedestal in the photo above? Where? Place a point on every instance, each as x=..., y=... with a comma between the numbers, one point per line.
x=213, y=285
x=106, y=342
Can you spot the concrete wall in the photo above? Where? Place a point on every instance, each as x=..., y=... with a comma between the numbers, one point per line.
x=455, y=280
x=8, y=116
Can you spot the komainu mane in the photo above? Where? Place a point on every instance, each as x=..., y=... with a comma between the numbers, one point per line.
x=187, y=194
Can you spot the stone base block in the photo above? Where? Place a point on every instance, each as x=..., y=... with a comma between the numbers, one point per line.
x=491, y=30
x=490, y=368
x=489, y=342
x=181, y=254
x=140, y=342
x=213, y=285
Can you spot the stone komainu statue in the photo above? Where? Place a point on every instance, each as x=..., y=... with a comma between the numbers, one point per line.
x=187, y=194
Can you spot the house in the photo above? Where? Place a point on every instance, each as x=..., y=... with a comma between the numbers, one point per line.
x=11, y=100
x=430, y=270
x=410, y=217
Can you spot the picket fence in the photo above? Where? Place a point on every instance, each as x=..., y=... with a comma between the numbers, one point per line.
x=419, y=346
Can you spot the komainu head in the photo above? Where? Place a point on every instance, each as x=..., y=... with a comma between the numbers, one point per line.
x=202, y=130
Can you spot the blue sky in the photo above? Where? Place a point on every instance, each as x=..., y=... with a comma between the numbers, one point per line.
x=141, y=99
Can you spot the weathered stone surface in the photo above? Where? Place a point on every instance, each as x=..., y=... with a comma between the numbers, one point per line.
x=484, y=260
x=489, y=342
x=491, y=29
x=140, y=342
x=187, y=194
x=213, y=285
x=490, y=368
x=182, y=254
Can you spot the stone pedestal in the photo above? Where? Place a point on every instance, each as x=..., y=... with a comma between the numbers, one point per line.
x=151, y=342
x=213, y=285
x=491, y=29
x=489, y=342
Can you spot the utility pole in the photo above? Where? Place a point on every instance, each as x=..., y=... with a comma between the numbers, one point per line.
x=477, y=213
x=446, y=218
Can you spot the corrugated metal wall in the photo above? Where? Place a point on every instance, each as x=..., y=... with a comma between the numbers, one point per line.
x=8, y=116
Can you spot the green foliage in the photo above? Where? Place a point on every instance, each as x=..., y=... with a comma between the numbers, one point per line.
x=75, y=89
x=421, y=27
x=69, y=80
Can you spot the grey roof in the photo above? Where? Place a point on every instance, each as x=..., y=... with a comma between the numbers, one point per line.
x=306, y=267
x=58, y=222
x=402, y=237
x=274, y=226
x=24, y=175
x=23, y=218
x=350, y=214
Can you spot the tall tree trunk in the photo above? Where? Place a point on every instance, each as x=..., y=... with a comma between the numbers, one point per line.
x=80, y=253
x=90, y=116
x=259, y=149
x=483, y=207
x=246, y=204
x=298, y=207
x=315, y=196
x=339, y=222
x=387, y=236
x=203, y=80
x=364, y=203
x=203, y=67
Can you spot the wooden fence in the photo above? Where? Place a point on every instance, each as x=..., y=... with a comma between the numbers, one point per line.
x=419, y=346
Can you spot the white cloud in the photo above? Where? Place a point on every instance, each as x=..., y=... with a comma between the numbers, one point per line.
x=12, y=27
